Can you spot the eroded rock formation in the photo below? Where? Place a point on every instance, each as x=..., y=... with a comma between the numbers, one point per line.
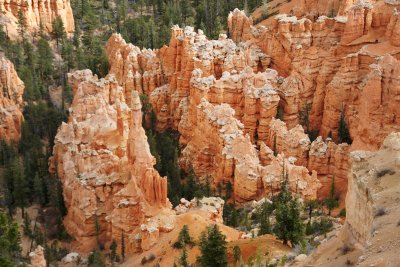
x=37, y=257
x=11, y=103
x=333, y=64
x=37, y=14
x=212, y=87
x=104, y=162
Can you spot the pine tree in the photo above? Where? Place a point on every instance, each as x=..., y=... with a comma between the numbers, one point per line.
x=38, y=187
x=22, y=24
x=331, y=201
x=20, y=185
x=9, y=241
x=236, y=253
x=265, y=225
x=289, y=226
x=58, y=30
x=45, y=59
x=97, y=229
x=311, y=205
x=113, y=249
x=183, y=260
x=190, y=186
x=207, y=187
x=343, y=131
x=123, y=246
x=228, y=190
x=96, y=259
x=213, y=248
x=183, y=238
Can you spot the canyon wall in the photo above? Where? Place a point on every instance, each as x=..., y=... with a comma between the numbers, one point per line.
x=103, y=160
x=37, y=13
x=11, y=102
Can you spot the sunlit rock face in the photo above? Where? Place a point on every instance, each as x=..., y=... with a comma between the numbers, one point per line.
x=104, y=162
x=37, y=14
x=11, y=103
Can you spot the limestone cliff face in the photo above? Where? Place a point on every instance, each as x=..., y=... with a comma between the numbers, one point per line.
x=36, y=13
x=11, y=103
x=104, y=162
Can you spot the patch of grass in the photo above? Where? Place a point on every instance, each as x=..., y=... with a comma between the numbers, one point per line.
x=380, y=212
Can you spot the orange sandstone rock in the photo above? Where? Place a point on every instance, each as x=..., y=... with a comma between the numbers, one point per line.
x=104, y=162
x=11, y=103
x=37, y=257
x=36, y=13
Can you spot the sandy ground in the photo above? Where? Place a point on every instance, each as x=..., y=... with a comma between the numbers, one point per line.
x=268, y=246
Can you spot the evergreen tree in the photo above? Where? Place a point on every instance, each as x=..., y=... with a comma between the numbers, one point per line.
x=265, y=225
x=289, y=226
x=22, y=24
x=20, y=186
x=207, y=187
x=190, y=187
x=213, y=248
x=217, y=28
x=97, y=229
x=236, y=253
x=311, y=205
x=45, y=59
x=228, y=190
x=275, y=147
x=123, y=246
x=113, y=250
x=343, y=132
x=183, y=260
x=183, y=238
x=39, y=187
x=96, y=259
x=9, y=241
x=331, y=201
x=58, y=30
